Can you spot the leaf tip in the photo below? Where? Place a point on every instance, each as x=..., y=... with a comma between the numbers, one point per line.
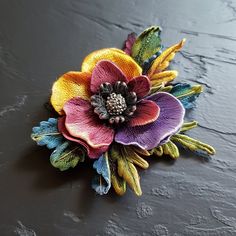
x=183, y=41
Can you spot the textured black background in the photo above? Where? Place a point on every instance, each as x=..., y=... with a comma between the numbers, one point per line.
x=40, y=40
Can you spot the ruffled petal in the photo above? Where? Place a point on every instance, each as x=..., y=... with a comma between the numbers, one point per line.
x=140, y=85
x=150, y=135
x=69, y=85
x=92, y=152
x=126, y=63
x=147, y=112
x=81, y=122
x=105, y=71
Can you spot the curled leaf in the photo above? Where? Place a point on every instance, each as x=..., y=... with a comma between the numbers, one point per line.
x=171, y=149
x=193, y=144
x=186, y=93
x=188, y=125
x=162, y=62
x=102, y=181
x=146, y=45
x=47, y=134
x=163, y=77
x=67, y=155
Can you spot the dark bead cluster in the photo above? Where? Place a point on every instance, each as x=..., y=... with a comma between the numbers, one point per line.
x=114, y=103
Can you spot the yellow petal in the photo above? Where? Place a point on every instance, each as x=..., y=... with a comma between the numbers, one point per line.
x=162, y=62
x=128, y=66
x=69, y=85
x=163, y=77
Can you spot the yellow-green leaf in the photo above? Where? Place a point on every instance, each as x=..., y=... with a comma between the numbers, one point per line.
x=188, y=125
x=171, y=149
x=126, y=157
x=128, y=171
x=162, y=62
x=158, y=151
x=193, y=144
x=161, y=88
x=163, y=77
x=139, y=150
x=118, y=184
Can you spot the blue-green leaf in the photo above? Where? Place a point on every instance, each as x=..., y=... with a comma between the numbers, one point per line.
x=102, y=180
x=67, y=155
x=146, y=45
x=47, y=134
x=186, y=93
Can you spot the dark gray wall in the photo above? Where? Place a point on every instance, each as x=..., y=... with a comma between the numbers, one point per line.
x=40, y=40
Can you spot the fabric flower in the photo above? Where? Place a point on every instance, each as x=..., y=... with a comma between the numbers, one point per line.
x=108, y=101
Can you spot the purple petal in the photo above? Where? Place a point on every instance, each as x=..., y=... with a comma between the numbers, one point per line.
x=150, y=135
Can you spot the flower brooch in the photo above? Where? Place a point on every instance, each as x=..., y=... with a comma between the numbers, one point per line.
x=119, y=109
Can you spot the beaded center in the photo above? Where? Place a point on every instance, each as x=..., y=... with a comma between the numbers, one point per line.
x=115, y=104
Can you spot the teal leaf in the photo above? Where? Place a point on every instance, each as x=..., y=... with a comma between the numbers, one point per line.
x=67, y=155
x=102, y=181
x=147, y=45
x=47, y=134
x=186, y=93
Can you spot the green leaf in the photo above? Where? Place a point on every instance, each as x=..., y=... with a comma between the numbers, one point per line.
x=171, y=149
x=188, y=125
x=146, y=45
x=134, y=157
x=193, y=144
x=67, y=155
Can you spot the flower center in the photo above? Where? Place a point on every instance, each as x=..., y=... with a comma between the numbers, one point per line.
x=114, y=103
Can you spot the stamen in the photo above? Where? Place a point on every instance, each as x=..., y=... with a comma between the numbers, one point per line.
x=115, y=104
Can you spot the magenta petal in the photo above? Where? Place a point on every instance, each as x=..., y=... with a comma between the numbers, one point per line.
x=92, y=153
x=140, y=85
x=147, y=112
x=168, y=123
x=129, y=43
x=105, y=71
x=82, y=123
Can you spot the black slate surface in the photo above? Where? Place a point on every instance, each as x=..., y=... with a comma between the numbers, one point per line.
x=40, y=40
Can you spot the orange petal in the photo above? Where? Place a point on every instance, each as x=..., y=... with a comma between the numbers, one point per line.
x=126, y=63
x=69, y=85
